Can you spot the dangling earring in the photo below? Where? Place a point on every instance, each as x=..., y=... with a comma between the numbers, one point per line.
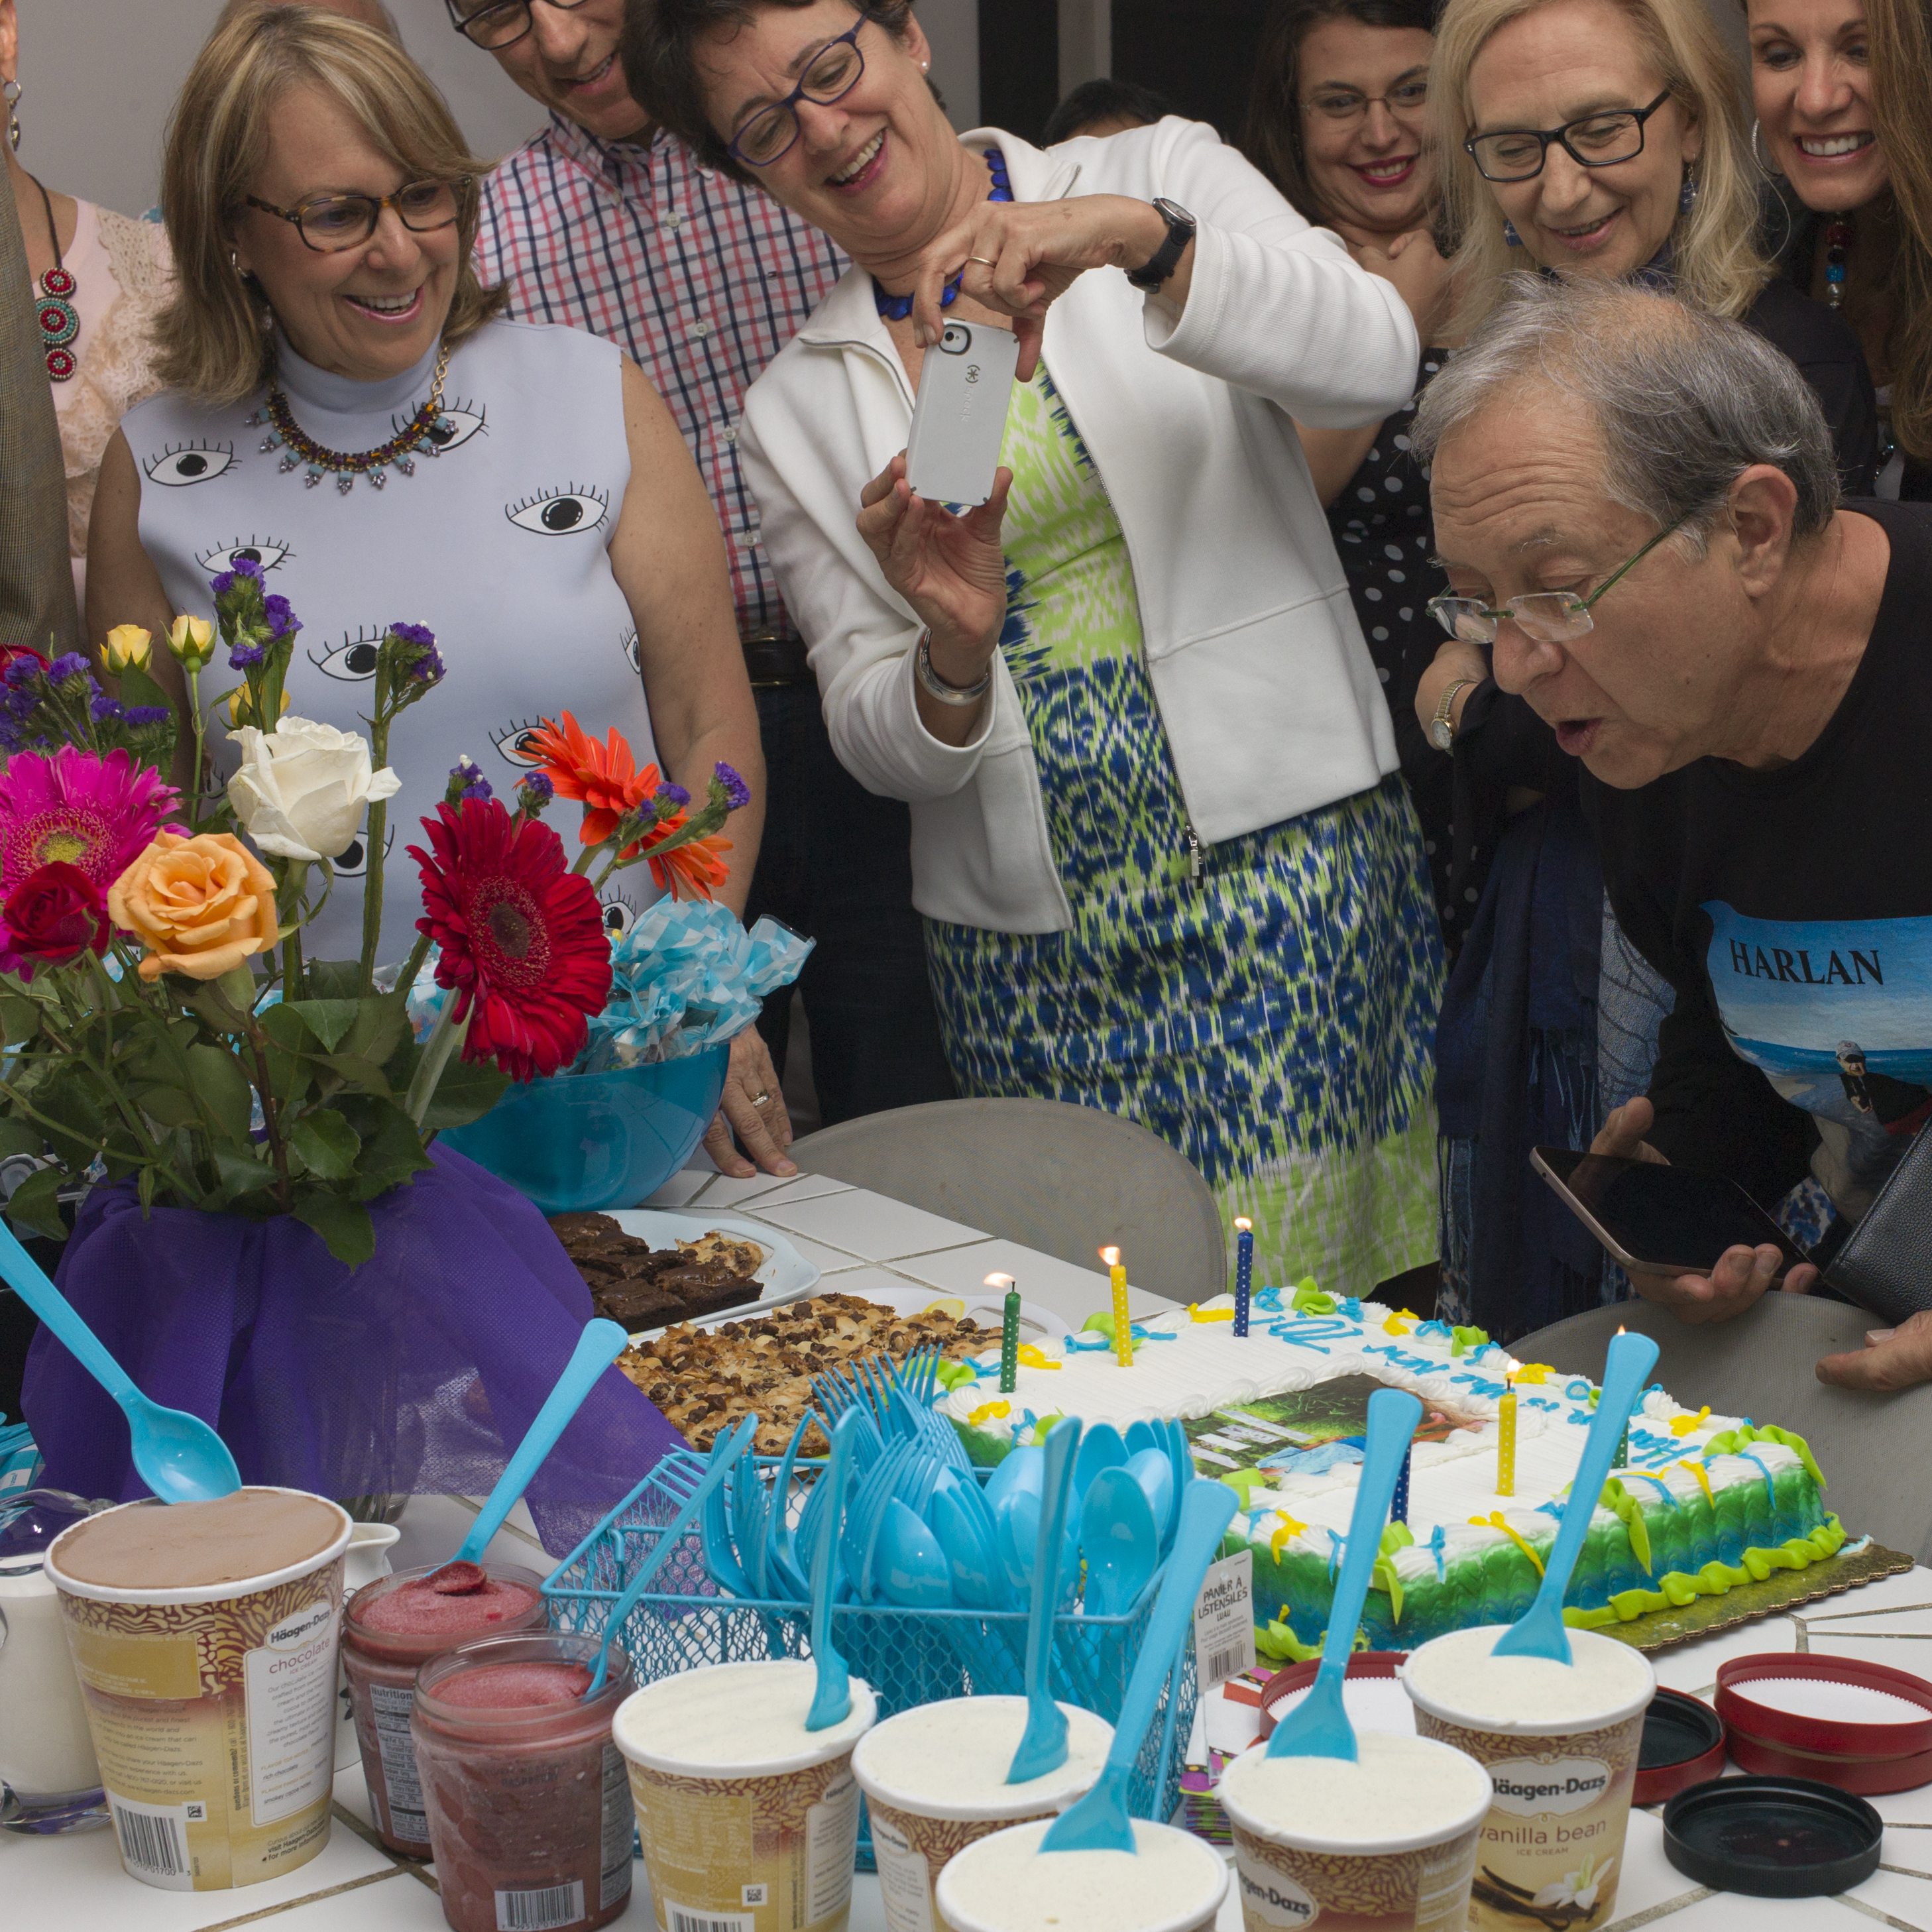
x=1764, y=166
x=13, y=90
x=1687, y=195
x=1511, y=239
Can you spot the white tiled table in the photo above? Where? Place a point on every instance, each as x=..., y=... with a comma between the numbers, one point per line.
x=76, y=1885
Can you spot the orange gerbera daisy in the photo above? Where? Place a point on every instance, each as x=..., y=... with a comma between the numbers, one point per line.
x=604, y=779
x=693, y=871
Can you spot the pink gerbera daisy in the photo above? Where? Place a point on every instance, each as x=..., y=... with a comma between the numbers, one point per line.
x=76, y=808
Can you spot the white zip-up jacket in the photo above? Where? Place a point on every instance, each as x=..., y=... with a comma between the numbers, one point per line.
x=1269, y=700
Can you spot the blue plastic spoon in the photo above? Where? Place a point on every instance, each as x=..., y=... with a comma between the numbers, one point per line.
x=1043, y=1743
x=1539, y=1631
x=177, y=1455
x=1120, y=1540
x=597, y=1347
x=1102, y=1446
x=832, y=1701
x=1099, y=1822
x=1319, y=1726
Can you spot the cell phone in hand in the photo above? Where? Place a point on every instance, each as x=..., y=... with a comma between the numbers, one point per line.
x=959, y=418
x=1659, y=1220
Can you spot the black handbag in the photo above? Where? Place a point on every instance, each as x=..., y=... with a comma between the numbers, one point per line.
x=1886, y=1264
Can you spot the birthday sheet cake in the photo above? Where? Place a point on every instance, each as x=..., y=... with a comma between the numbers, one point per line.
x=1704, y=1502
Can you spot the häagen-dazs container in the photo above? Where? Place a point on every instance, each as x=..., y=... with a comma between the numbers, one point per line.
x=1170, y=1882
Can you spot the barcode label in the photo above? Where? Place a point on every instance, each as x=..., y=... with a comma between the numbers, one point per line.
x=545, y=1909
x=154, y=1841
x=1224, y=1620
x=684, y=1919
x=1223, y=1665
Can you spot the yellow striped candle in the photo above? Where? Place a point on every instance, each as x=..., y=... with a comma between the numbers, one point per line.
x=1123, y=1338
x=1506, y=1438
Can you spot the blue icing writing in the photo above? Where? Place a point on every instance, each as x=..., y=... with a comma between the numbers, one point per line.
x=1441, y=1328
x=1481, y=1385
x=1351, y=1306
x=1663, y=1488
x=1540, y=1402
x=1419, y=1365
x=1579, y=1391
x=1269, y=1299
x=1282, y=1332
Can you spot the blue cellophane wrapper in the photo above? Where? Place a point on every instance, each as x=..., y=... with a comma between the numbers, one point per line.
x=687, y=975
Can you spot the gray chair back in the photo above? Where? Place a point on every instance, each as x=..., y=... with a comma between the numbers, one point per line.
x=1064, y=1179
x=1872, y=1448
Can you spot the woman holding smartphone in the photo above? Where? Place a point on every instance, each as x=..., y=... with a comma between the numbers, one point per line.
x=1167, y=866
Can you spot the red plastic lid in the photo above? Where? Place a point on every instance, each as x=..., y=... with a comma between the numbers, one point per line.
x=1757, y=1714
x=1683, y=1745
x=1868, y=1777
x=1300, y=1676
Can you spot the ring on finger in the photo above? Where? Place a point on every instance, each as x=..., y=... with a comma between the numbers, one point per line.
x=984, y=261
x=761, y=1099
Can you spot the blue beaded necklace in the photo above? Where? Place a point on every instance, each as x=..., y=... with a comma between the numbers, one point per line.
x=896, y=308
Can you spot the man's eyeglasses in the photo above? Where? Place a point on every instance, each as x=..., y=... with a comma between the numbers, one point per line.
x=833, y=72
x=1549, y=616
x=1404, y=100
x=494, y=24
x=330, y=223
x=1598, y=140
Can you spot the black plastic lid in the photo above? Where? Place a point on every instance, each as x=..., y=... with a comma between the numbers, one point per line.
x=1677, y=1729
x=1772, y=1838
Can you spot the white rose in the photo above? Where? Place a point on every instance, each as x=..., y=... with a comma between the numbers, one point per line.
x=303, y=787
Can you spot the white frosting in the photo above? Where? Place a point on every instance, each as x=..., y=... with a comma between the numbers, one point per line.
x=742, y=1719
x=1170, y=1882
x=950, y=1759
x=1206, y=1369
x=1457, y=1676
x=1411, y=1788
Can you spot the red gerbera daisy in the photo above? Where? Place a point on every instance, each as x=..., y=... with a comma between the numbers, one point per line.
x=521, y=937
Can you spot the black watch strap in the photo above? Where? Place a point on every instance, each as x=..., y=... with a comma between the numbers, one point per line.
x=1167, y=256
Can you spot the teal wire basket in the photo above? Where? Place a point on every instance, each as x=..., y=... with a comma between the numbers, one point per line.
x=910, y=1657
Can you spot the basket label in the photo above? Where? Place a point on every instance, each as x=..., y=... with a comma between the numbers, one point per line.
x=1224, y=1621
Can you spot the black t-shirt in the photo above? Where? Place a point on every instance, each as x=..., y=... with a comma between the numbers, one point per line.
x=1792, y=909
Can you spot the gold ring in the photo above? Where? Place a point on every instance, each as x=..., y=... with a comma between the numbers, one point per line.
x=982, y=260
x=760, y=1099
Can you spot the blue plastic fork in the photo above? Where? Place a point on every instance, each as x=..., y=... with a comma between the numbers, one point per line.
x=1539, y=1631
x=782, y=1570
x=832, y=1700
x=1043, y=1743
x=1318, y=1726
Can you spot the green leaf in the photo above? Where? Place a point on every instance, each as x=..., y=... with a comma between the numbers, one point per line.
x=138, y=688
x=214, y=1012
x=391, y=1153
x=467, y=1091
x=19, y=1137
x=344, y=1226
x=166, y=1105
x=290, y=1077
x=21, y=1019
x=284, y=1024
x=240, y=1174
x=224, y=1089
x=379, y=1025
x=33, y=1207
x=333, y=979
x=363, y=1074
x=328, y=1020
x=327, y=1143
x=71, y=1100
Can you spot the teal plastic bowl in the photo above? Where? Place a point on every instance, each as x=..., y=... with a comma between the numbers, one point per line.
x=592, y=1141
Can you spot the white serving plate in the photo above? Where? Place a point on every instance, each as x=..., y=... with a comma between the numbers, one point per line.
x=1037, y=1324
x=784, y=1274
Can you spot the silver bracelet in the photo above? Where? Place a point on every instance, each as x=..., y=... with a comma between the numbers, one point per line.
x=935, y=687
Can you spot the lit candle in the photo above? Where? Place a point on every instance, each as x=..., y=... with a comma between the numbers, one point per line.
x=1506, y=1436
x=1244, y=1270
x=1123, y=1338
x=1621, y=1459
x=1398, y=1502
x=1009, y=1333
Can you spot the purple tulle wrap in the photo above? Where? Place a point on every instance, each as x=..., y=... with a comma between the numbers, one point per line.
x=415, y=1374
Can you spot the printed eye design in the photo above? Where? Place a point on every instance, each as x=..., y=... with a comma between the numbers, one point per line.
x=353, y=860
x=464, y=420
x=514, y=741
x=630, y=649
x=354, y=659
x=263, y=551
x=619, y=914
x=183, y=462
x=562, y=513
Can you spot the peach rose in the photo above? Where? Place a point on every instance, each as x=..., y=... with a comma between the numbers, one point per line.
x=200, y=906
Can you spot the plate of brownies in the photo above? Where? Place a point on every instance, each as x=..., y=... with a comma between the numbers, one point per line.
x=647, y=1269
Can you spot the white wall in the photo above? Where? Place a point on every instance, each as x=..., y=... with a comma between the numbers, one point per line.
x=100, y=76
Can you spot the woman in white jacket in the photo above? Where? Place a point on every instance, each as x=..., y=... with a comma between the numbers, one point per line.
x=1166, y=868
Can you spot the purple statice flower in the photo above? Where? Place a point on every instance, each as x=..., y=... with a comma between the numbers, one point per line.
x=425, y=664
x=670, y=797
x=104, y=707
x=539, y=786
x=23, y=671
x=21, y=704
x=223, y=584
x=737, y=793
x=465, y=780
x=479, y=791
x=283, y=622
x=415, y=634
x=147, y=714
x=243, y=657
x=11, y=739
x=69, y=664
x=246, y=566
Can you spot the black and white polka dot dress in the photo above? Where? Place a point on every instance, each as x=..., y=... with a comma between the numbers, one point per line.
x=1382, y=532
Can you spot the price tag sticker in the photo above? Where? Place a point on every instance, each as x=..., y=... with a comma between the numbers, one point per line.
x=1224, y=1620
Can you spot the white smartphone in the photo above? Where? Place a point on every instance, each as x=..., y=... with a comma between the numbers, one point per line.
x=959, y=418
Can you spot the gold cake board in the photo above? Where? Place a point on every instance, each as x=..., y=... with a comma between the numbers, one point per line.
x=1783, y=1590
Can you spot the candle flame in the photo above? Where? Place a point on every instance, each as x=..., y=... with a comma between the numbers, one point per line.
x=999, y=1281
x=1621, y=1329
x=1242, y=1222
x=1111, y=1256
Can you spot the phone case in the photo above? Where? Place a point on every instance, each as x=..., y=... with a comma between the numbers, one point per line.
x=1886, y=1265
x=959, y=419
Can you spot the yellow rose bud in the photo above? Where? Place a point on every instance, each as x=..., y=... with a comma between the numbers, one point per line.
x=199, y=906
x=192, y=640
x=241, y=707
x=127, y=644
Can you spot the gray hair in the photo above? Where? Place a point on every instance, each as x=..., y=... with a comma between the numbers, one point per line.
x=1686, y=402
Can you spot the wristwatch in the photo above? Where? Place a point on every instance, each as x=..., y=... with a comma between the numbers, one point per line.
x=1442, y=726
x=1167, y=257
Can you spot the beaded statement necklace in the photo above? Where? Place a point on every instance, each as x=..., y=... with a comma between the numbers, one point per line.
x=1838, y=239
x=59, y=319
x=896, y=308
x=417, y=437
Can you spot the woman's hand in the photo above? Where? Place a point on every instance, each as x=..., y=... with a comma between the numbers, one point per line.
x=1892, y=1358
x=1412, y=263
x=753, y=1106
x=1019, y=257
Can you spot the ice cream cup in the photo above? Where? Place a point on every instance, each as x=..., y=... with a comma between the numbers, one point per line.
x=1384, y=1844
x=381, y=1665
x=1170, y=1882
x=204, y=1636
x=749, y=1820
x=935, y=1779
x=1560, y=1741
x=524, y=1792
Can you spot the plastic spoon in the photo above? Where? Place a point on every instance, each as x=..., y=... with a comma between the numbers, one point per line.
x=1101, y=1447
x=1539, y=1631
x=1154, y=1472
x=177, y=1455
x=1019, y=1469
x=978, y=1581
x=1143, y=1435
x=1319, y=1726
x=597, y=1347
x=832, y=1702
x=910, y=1569
x=1043, y=1743
x=1122, y=1544
x=1099, y=1822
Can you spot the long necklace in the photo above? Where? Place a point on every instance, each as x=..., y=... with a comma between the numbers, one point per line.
x=59, y=319
x=418, y=434
x=896, y=308
x=1838, y=239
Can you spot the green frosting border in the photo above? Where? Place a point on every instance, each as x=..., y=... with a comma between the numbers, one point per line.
x=1677, y=1588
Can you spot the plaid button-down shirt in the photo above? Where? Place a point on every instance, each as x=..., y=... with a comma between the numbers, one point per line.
x=701, y=280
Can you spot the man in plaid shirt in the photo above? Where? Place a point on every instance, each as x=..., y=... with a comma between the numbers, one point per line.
x=605, y=223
